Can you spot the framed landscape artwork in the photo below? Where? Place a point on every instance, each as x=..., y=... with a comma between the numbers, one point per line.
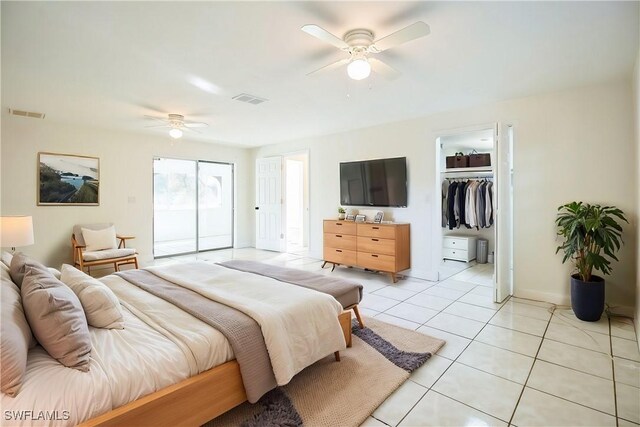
x=65, y=179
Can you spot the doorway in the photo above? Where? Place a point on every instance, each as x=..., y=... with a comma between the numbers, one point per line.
x=296, y=199
x=193, y=206
x=470, y=245
x=282, y=203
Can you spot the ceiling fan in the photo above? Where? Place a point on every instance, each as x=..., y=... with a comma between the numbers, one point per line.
x=176, y=123
x=360, y=45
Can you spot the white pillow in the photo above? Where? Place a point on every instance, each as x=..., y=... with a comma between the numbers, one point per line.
x=100, y=304
x=6, y=258
x=97, y=240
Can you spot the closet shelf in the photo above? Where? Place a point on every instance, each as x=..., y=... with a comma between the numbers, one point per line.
x=469, y=170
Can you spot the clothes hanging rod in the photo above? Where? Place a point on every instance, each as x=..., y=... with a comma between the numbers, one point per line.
x=470, y=177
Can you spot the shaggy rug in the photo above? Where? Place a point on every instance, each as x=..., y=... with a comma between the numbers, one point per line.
x=345, y=393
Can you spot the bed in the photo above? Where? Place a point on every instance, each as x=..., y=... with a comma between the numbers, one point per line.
x=167, y=367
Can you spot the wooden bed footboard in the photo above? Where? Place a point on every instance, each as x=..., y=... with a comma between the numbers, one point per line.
x=191, y=402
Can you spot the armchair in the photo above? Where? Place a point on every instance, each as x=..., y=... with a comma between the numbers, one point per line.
x=117, y=256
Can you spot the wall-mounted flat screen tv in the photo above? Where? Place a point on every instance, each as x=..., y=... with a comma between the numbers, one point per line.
x=381, y=182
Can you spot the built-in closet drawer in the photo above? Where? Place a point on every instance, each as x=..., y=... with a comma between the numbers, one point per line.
x=455, y=243
x=377, y=261
x=376, y=245
x=340, y=241
x=340, y=256
x=455, y=254
x=459, y=248
x=340, y=227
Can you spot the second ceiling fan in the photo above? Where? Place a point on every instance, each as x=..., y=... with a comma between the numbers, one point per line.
x=360, y=45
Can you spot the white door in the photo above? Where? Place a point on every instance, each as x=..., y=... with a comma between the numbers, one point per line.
x=269, y=204
x=504, y=214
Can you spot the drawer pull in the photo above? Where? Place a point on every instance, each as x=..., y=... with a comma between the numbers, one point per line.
x=338, y=250
x=338, y=223
x=338, y=235
x=375, y=228
x=375, y=256
x=375, y=240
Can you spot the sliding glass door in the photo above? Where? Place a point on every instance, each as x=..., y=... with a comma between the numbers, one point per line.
x=192, y=206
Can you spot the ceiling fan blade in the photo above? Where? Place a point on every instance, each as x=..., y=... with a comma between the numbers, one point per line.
x=158, y=126
x=157, y=118
x=385, y=70
x=325, y=36
x=190, y=129
x=412, y=32
x=331, y=66
x=195, y=125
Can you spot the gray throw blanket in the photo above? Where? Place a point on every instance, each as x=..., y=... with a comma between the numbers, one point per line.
x=345, y=292
x=243, y=333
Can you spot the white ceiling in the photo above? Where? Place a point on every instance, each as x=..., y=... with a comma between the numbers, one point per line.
x=109, y=63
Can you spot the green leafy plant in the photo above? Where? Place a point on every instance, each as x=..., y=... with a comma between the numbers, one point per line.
x=591, y=236
x=341, y=210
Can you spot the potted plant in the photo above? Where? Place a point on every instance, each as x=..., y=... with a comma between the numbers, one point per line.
x=341, y=213
x=591, y=235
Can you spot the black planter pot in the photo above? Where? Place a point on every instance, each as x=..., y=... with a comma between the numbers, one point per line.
x=587, y=298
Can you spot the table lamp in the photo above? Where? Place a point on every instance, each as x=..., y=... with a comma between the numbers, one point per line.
x=16, y=231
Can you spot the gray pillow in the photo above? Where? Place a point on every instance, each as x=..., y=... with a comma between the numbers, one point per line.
x=56, y=318
x=15, y=338
x=19, y=264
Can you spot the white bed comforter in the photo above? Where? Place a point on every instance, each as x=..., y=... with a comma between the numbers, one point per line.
x=300, y=326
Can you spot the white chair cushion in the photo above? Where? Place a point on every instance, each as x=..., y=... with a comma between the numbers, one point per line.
x=100, y=304
x=97, y=240
x=107, y=254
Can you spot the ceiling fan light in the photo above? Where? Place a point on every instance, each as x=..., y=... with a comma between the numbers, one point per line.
x=175, y=133
x=359, y=69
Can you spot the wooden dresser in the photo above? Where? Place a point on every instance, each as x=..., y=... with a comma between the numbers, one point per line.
x=380, y=247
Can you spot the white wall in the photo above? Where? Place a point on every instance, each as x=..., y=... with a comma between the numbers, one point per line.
x=126, y=164
x=570, y=145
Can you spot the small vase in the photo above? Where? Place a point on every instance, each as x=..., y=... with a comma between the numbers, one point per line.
x=341, y=216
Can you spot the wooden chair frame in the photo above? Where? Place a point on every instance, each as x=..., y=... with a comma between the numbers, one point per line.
x=191, y=402
x=79, y=261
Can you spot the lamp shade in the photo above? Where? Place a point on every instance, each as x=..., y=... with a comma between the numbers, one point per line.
x=16, y=231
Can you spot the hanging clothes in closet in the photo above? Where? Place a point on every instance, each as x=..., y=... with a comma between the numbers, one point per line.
x=468, y=203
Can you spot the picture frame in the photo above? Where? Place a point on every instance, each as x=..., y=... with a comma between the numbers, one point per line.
x=378, y=218
x=360, y=218
x=68, y=180
x=350, y=217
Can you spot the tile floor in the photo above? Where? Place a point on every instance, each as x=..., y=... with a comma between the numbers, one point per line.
x=513, y=363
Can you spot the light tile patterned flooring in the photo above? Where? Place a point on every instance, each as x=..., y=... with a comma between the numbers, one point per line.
x=514, y=363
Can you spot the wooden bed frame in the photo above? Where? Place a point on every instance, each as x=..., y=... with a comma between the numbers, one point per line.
x=191, y=402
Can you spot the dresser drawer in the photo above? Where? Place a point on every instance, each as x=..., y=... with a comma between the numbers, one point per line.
x=340, y=256
x=457, y=254
x=377, y=261
x=377, y=230
x=376, y=245
x=455, y=242
x=340, y=241
x=340, y=227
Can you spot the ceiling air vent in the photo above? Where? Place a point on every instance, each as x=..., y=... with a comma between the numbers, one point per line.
x=22, y=113
x=250, y=99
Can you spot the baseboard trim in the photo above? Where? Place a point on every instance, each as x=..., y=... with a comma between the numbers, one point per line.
x=553, y=298
x=429, y=275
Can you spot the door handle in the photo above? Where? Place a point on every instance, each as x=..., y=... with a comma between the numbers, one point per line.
x=257, y=208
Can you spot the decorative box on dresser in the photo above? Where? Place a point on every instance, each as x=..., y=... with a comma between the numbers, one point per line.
x=380, y=247
x=459, y=248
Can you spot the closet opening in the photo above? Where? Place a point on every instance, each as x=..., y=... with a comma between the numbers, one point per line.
x=474, y=231
x=296, y=202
